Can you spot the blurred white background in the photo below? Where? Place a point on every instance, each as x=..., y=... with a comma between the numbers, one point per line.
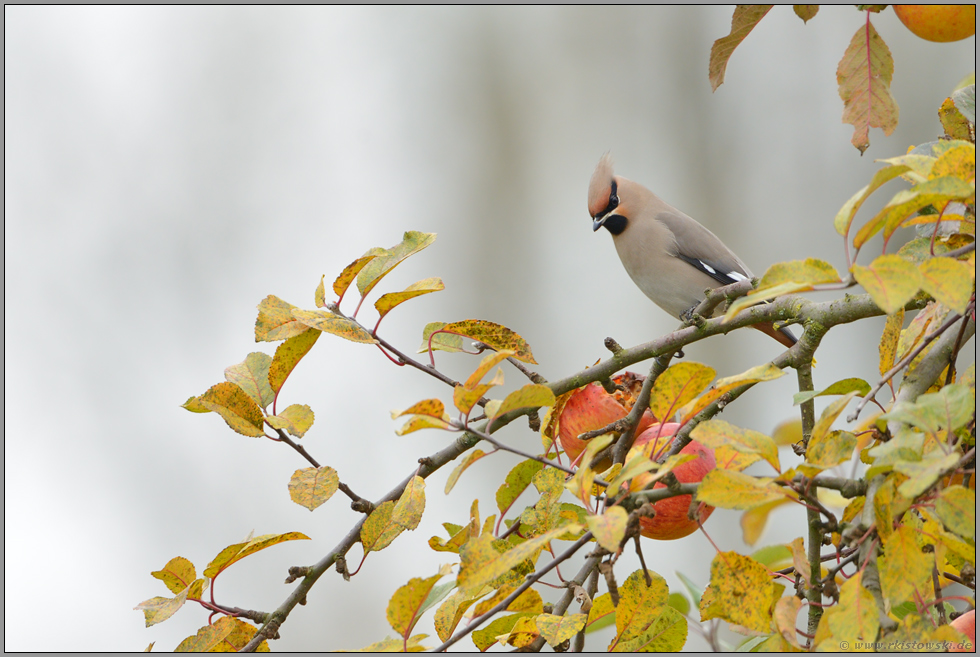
x=167, y=168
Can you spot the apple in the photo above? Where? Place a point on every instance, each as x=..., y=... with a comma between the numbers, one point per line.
x=591, y=407
x=671, y=520
x=967, y=624
x=941, y=23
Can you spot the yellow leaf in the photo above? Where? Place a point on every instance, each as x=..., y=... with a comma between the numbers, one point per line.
x=756, y=374
x=891, y=281
x=487, y=363
x=378, y=531
x=734, y=490
x=346, y=277
x=532, y=395
x=408, y=510
x=558, y=629
x=718, y=433
x=431, y=407
x=864, y=76
x=905, y=571
x=754, y=520
x=811, y=271
x=311, y=487
x=822, y=426
x=408, y=603
x=379, y=267
x=959, y=161
x=497, y=337
x=740, y=592
x=745, y=18
x=609, y=528
x=326, y=321
x=237, y=409
x=288, y=355
x=888, y=345
x=234, y=553
x=830, y=449
x=241, y=633
x=784, y=616
x=949, y=281
x=386, y=302
x=207, y=639
x=296, y=419
x=935, y=191
x=842, y=222
x=855, y=618
x=481, y=563
x=177, y=574
x=423, y=422
x=466, y=398
x=762, y=295
x=468, y=460
x=158, y=609
x=275, y=321
x=681, y=383
x=956, y=506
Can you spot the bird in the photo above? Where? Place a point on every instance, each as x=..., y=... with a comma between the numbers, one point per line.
x=671, y=257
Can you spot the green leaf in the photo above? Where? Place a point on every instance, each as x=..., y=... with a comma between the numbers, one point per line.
x=387, y=302
x=950, y=408
x=252, y=376
x=439, y=341
x=379, y=267
x=326, y=321
x=806, y=12
x=965, y=100
x=841, y=387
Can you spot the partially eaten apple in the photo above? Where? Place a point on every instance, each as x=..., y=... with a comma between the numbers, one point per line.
x=590, y=408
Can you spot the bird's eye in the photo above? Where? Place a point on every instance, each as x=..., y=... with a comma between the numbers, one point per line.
x=613, y=199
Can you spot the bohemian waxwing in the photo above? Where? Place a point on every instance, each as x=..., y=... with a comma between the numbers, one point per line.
x=672, y=258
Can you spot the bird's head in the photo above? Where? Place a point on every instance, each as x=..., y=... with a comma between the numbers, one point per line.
x=605, y=206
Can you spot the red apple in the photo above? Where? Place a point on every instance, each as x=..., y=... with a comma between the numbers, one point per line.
x=967, y=624
x=591, y=407
x=671, y=519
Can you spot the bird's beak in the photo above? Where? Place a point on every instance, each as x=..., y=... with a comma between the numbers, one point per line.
x=597, y=222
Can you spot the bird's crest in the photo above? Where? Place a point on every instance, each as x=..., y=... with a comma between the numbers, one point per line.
x=600, y=187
